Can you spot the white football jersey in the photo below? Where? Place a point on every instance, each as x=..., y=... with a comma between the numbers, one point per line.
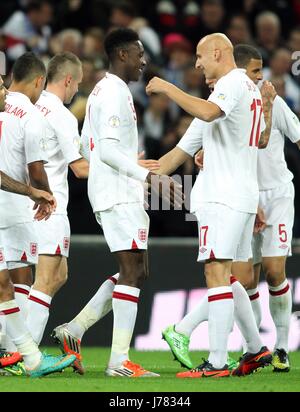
x=230, y=144
x=22, y=141
x=110, y=113
x=272, y=168
x=190, y=143
x=192, y=140
x=62, y=145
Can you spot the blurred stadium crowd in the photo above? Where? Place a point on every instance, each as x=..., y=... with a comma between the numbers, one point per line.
x=169, y=30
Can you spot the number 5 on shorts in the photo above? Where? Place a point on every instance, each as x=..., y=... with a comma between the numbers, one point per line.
x=282, y=233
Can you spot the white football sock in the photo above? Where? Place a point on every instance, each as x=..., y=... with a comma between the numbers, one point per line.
x=255, y=303
x=244, y=317
x=95, y=309
x=38, y=314
x=220, y=322
x=17, y=331
x=280, y=303
x=192, y=319
x=125, y=299
x=21, y=297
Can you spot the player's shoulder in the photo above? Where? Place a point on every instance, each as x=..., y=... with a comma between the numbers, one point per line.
x=109, y=87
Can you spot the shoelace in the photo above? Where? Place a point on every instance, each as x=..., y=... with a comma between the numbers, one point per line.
x=282, y=355
x=202, y=366
x=4, y=354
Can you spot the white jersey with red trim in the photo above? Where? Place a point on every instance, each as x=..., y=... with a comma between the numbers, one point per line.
x=272, y=168
x=22, y=141
x=231, y=144
x=62, y=145
x=110, y=114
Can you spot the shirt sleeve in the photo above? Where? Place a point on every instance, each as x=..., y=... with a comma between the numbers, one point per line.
x=35, y=138
x=285, y=120
x=106, y=118
x=226, y=95
x=66, y=130
x=192, y=140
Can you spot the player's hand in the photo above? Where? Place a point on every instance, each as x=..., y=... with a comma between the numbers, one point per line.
x=166, y=188
x=199, y=157
x=260, y=221
x=268, y=94
x=149, y=164
x=157, y=85
x=45, y=203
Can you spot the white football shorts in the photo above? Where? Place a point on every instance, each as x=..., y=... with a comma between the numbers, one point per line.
x=224, y=233
x=20, y=245
x=54, y=235
x=3, y=264
x=125, y=226
x=276, y=239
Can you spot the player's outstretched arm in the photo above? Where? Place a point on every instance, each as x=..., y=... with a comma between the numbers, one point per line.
x=171, y=161
x=268, y=94
x=200, y=108
x=150, y=164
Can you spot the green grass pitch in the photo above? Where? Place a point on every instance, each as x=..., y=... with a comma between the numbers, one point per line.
x=94, y=380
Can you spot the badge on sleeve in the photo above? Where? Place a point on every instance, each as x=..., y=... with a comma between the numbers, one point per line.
x=221, y=96
x=114, y=121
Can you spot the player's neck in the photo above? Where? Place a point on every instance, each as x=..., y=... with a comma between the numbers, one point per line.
x=23, y=88
x=118, y=72
x=57, y=90
x=225, y=69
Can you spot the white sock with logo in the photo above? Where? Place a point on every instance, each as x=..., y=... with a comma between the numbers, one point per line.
x=38, y=314
x=280, y=303
x=220, y=322
x=125, y=300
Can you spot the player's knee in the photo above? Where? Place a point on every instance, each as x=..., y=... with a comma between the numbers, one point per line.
x=275, y=274
x=60, y=279
x=6, y=288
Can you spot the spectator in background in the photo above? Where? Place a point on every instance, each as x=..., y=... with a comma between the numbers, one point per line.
x=28, y=29
x=294, y=39
x=238, y=30
x=93, y=44
x=212, y=17
x=268, y=34
x=193, y=81
x=280, y=65
x=78, y=104
x=181, y=16
x=156, y=119
x=178, y=51
x=67, y=40
x=123, y=14
x=149, y=38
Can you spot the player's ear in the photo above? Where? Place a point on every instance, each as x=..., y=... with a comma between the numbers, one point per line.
x=68, y=79
x=123, y=55
x=217, y=54
x=38, y=81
